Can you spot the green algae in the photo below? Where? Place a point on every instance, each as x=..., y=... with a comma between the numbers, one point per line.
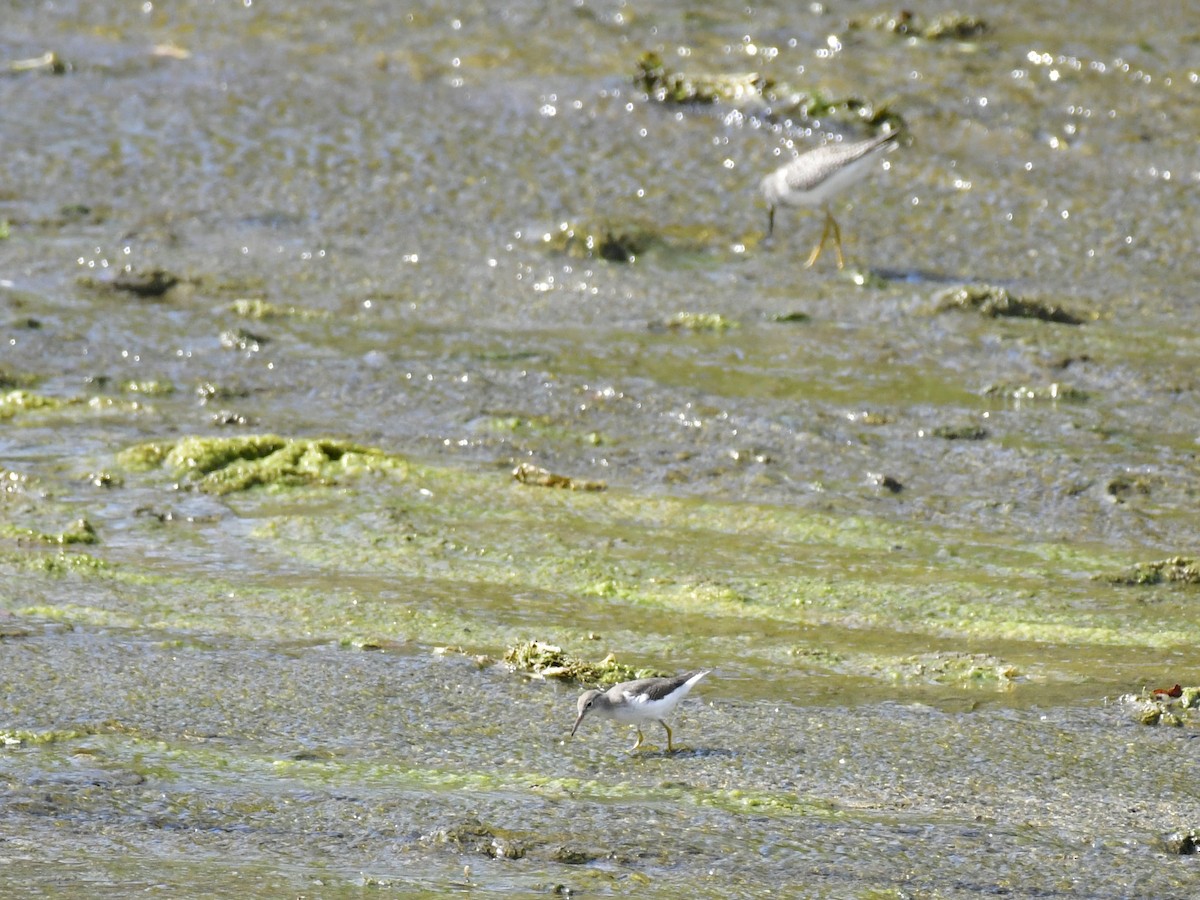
x=475, y=837
x=947, y=26
x=996, y=302
x=791, y=317
x=399, y=777
x=26, y=737
x=21, y=401
x=169, y=759
x=257, y=308
x=458, y=546
x=1126, y=487
x=613, y=242
x=148, y=283
x=542, y=541
x=609, y=242
x=965, y=432
x=1042, y=393
x=957, y=668
x=668, y=86
x=80, y=531
x=11, y=380
x=1175, y=570
x=955, y=26
x=540, y=426
x=227, y=465
x=18, y=401
x=549, y=661
x=694, y=321
x=148, y=387
x=755, y=92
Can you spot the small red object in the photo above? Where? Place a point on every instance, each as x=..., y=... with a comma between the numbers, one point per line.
x=1167, y=693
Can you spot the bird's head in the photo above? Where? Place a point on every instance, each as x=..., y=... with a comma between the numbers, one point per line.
x=586, y=702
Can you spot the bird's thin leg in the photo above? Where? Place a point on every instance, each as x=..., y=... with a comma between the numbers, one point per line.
x=837, y=240
x=770, y=220
x=816, y=252
x=670, y=748
x=639, y=740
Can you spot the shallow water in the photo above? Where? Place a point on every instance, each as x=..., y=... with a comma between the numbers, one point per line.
x=915, y=693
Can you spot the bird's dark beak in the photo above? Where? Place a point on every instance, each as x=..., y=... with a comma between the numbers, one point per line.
x=577, y=721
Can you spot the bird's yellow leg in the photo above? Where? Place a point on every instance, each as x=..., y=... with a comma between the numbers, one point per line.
x=837, y=240
x=816, y=252
x=639, y=740
x=670, y=748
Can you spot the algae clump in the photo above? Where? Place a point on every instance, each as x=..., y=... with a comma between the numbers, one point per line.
x=693, y=321
x=544, y=660
x=228, y=464
x=997, y=302
x=1177, y=570
x=257, y=308
x=81, y=531
x=20, y=400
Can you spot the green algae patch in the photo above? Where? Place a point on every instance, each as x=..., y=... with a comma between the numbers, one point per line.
x=80, y=531
x=19, y=401
x=144, y=457
x=475, y=837
x=540, y=427
x=67, y=564
x=752, y=91
x=668, y=86
x=148, y=387
x=543, y=660
x=790, y=318
x=227, y=465
x=693, y=321
x=1039, y=393
x=686, y=559
x=25, y=738
x=257, y=308
x=612, y=242
x=11, y=380
x=951, y=668
x=625, y=242
x=615, y=243
x=948, y=26
x=997, y=302
x=149, y=283
x=964, y=432
x=1176, y=570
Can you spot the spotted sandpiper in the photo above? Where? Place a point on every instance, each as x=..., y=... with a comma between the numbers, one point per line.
x=815, y=178
x=638, y=702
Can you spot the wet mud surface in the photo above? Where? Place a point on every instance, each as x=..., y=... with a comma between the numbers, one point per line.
x=344, y=348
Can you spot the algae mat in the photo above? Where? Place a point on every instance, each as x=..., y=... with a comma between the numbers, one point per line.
x=371, y=376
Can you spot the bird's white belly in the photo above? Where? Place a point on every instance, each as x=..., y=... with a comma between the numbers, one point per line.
x=641, y=710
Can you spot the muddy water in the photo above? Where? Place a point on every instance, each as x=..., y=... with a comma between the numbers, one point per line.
x=915, y=691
